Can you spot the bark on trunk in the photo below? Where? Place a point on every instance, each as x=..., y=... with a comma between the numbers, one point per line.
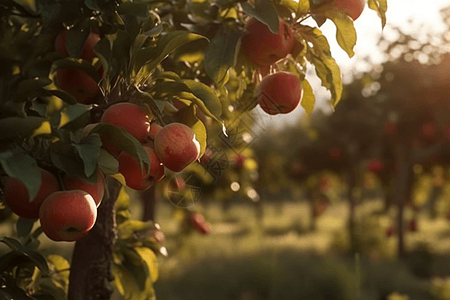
x=149, y=204
x=90, y=275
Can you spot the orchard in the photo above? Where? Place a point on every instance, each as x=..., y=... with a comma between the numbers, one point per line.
x=103, y=102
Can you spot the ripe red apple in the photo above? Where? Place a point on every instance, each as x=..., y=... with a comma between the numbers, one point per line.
x=78, y=84
x=375, y=165
x=150, y=139
x=200, y=225
x=96, y=190
x=279, y=93
x=135, y=176
x=130, y=117
x=176, y=146
x=390, y=231
x=88, y=48
x=18, y=199
x=263, y=47
x=353, y=8
x=335, y=153
x=177, y=184
x=68, y=215
x=412, y=225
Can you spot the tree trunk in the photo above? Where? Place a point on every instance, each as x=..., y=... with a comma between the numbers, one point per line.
x=403, y=190
x=149, y=199
x=90, y=275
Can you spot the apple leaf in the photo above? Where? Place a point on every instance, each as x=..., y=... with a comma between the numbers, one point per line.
x=73, y=113
x=345, y=30
x=124, y=141
x=188, y=116
x=308, y=100
x=24, y=226
x=149, y=257
x=151, y=57
x=302, y=8
x=380, y=6
x=75, y=39
x=265, y=12
x=127, y=285
x=221, y=54
x=75, y=64
x=123, y=200
x=23, y=127
x=135, y=9
x=107, y=163
x=66, y=97
x=18, y=164
x=65, y=157
x=126, y=229
x=89, y=151
x=27, y=88
x=207, y=96
x=34, y=256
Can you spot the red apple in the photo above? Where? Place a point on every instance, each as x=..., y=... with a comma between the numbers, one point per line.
x=335, y=153
x=279, y=93
x=130, y=117
x=200, y=225
x=135, y=176
x=390, y=231
x=154, y=129
x=68, y=215
x=176, y=146
x=263, y=47
x=353, y=8
x=18, y=199
x=375, y=165
x=96, y=190
x=239, y=160
x=88, y=48
x=78, y=84
x=412, y=225
x=177, y=184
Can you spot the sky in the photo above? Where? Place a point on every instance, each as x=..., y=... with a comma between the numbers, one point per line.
x=425, y=17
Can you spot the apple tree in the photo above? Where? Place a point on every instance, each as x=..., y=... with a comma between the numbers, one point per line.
x=90, y=94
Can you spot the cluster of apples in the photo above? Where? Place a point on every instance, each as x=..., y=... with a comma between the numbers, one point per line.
x=76, y=82
x=173, y=146
x=281, y=92
x=65, y=215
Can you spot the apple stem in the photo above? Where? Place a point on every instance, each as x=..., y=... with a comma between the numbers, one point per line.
x=90, y=274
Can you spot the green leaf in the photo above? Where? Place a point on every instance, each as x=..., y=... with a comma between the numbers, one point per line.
x=149, y=257
x=24, y=226
x=75, y=64
x=126, y=229
x=72, y=113
x=121, y=139
x=380, y=6
x=265, y=12
x=329, y=73
x=135, y=9
x=23, y=127
x=221, y=54
x=66, y=97
x=315, y=36
x=29, y=87
x=18, y=164
x=66, y=158
x=127, y=286
x=303, y=8
x=188, y=116
x=308, y=100
x=89, y=151
x=37, y=258
x=107, y=163
x=345, y=31
x=207, y=95
x=166, y=45
x=75, y=40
